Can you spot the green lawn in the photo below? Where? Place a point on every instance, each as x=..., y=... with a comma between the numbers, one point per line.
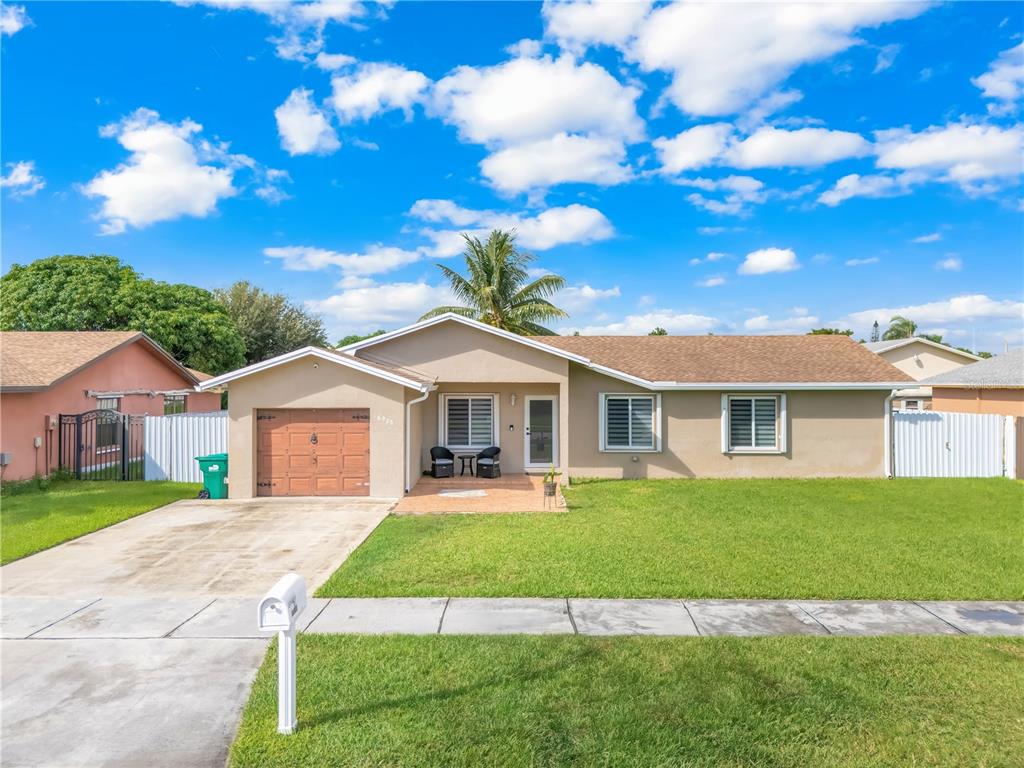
x=531, y=701
x=35, y=520
x=910, y=539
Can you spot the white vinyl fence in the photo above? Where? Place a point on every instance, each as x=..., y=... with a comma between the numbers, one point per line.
x=173, y=442
x=934, y=444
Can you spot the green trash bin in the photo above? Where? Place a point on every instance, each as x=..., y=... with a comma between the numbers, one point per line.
x=215, y=474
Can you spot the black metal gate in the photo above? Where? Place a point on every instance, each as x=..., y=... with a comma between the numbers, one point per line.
x=101, y=445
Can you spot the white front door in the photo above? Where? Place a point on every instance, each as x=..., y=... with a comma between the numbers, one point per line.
x=540, y=432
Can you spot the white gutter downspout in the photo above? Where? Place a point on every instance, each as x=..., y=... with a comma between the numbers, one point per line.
x=408, y=434
x=888, y=434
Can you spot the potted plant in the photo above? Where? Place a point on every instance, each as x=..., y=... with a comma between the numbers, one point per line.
x=551, y=481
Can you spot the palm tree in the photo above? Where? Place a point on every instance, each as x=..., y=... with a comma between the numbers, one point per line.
x=899, y=328
x=496, y=290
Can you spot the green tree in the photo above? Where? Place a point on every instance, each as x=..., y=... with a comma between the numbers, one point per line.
x=899, y=328
x=659, y=331
x=352, y=338
x=497, y=290
x=936, y=337
x=829, y=332
x=101, y=293
x=270, y=324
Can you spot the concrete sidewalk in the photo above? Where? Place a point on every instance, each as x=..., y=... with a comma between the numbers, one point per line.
x=31, y=619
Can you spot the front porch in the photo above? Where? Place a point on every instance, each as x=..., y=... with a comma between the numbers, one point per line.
x=476, y=495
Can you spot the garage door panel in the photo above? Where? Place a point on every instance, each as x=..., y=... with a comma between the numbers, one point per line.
x=291, y=462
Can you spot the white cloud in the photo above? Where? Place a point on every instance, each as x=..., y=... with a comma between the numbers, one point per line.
x=694, y=148
x=363, y=305
x=861, y=262
x=711, y=230
x=1004, y=81
x=576, y=26
x=332, y=61
x=949, y=264
x=303, y=126
x=301, y=25
x=377, y=258
x=886, y=57
x=798, y=322
x=641, y=325
x=711, y=282
x=577, y=298
x=713, y=256
x=13, y=19
x=170, y=173
x=375, y=88
x=767, y=147
x=552, y=227
x=767, y=260
x=957, y=309
x=525, y=48
x=872, y=185
x=973, y=156
x=722, y=57
x=527, y=99
x=743, y=191
x=770, y=147
x=931, y=237
x=560, y=159
x=21, y=179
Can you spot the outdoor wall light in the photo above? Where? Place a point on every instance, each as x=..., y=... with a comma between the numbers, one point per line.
x=512, y=398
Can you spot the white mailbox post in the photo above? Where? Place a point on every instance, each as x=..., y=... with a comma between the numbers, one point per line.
x=278, y=612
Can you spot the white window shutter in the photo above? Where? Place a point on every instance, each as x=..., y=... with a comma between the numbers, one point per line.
x=725, y=423
x=782, y=424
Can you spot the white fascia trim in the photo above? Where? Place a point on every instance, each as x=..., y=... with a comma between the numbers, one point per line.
x=779, y=385
x=349, y=361
x=351, y=349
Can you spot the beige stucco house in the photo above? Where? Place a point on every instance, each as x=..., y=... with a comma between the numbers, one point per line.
x=920, y=359
x=361, y=420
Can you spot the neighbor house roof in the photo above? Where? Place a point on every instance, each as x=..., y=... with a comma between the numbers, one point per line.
x=878, y=347
x=1001, y=372
x=740, y=359
x=35, y=360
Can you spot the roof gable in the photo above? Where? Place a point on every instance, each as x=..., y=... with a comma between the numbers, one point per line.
x=1000, y=372
x=36, y=360
x=390, y=373
x=880, y=347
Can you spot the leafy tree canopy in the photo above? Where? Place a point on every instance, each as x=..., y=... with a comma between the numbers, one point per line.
x=101, y=293
x=829, y=332
x=352, y=338
x=498, y=291
x=269, y=323
x=899, y=328
x=659, y=331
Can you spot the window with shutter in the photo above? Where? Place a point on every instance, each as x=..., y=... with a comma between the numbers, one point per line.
x=468, y=421
x=753, y=423
x=629, y=422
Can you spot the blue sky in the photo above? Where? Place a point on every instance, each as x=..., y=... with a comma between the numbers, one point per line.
x=706, y=168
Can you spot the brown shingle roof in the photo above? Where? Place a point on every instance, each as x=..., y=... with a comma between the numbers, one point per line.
x=733, y=359
x=38, y=359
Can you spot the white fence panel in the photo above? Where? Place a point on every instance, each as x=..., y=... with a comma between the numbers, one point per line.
x=173, y=442
x=934, y=444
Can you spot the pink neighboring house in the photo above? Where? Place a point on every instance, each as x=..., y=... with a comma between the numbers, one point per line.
x=47, y=373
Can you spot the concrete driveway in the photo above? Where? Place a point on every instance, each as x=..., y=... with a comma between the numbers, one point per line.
x=136, y=646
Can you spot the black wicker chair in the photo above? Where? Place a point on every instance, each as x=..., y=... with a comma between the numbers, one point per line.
x=442, y=462
x=487, y=462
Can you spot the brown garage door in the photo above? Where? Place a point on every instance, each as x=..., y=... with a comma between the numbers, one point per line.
x=313, y=452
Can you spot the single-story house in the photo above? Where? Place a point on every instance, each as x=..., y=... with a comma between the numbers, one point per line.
x=919, y=359
x=47, y=373
x=361, y=420
x=991, y=386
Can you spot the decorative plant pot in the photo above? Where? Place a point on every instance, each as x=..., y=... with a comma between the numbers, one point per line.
x=550, y=489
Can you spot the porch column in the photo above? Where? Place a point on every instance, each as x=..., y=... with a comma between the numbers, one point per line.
x=563, y=429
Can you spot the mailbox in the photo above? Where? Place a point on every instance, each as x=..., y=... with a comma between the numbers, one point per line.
x=282, y=605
